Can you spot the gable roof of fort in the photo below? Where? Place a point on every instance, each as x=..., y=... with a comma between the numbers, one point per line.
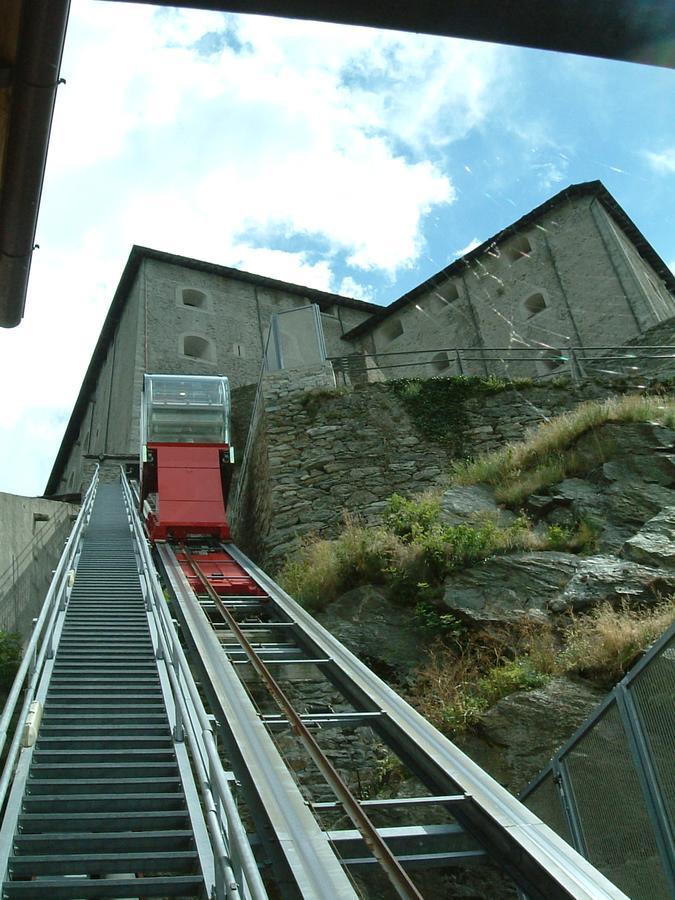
x=584, y=189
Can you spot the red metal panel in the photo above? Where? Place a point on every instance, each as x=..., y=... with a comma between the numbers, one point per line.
x=189, y=491
x=189, y=484
x=196, y=456
x=226, y=575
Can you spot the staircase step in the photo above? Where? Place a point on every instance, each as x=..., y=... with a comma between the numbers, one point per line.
x=74, y=889
x=52, y=786
x=98, y=771
x=104, y=842
x=154, y=863
x=61, y=823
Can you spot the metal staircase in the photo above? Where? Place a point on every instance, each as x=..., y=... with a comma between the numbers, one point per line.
x=114, y=786
x=104, y=795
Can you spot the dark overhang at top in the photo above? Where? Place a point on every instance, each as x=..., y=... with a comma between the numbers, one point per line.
x=32, y=34
x=585, y=189
x=633, y=30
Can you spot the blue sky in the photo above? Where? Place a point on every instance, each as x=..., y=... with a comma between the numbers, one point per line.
x=343, y=158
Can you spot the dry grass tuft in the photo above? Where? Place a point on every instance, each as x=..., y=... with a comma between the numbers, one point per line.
x=546, y=456
x=322, y=570
x=459, y=682
x=603, y=645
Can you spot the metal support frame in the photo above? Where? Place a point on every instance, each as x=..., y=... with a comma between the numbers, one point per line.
x=302, y=857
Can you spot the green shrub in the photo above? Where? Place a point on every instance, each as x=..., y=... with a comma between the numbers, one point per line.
x=429, y=615
x=515, y=675
x=407, y=517
x=10, y=658
x=322, y=570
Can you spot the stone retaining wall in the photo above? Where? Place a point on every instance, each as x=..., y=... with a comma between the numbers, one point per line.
x=321, y=453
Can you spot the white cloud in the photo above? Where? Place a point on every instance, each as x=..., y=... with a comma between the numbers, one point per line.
x=663, y=162
x=349, y=287
x=292, y=267
x=305, y=124
x=469, y=247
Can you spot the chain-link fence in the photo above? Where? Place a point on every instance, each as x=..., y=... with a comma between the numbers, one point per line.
x=610, y=791
x=24, y=583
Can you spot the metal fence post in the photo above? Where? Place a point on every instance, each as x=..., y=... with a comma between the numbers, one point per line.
x=562, y=780
x=647, y=776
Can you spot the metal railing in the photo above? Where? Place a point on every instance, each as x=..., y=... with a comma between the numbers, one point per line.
x=236, y=871
x=538, y=362
x=41, y=644
x=610, y=790
x=22, y=591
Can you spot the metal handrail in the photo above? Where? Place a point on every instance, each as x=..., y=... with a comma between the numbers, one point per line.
x=565, y=349
x=40, y=644
x=191, y=720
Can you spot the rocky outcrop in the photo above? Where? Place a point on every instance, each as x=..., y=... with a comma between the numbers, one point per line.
x=630, y=499
x=383, y=635
x=464, y=504
x=508, y=589
x=654, y=544
x=520, y=734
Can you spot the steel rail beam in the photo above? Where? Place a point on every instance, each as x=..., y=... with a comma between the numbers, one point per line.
x=538, y=860
x=305, y=863
x=387, y=860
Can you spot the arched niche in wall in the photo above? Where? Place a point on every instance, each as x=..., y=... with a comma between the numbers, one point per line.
x=193, y=298
x=439, y=298
x=391, y=329
x=440, y=362
x=519, y=247
x=534, y=303
x=195, y=346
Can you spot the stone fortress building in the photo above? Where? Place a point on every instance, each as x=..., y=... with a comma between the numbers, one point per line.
x=573, y=273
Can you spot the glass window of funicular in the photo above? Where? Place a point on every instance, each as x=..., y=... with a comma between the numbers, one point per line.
x=186, y=409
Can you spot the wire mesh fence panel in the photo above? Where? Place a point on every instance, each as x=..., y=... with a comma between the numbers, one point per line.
x=544, y=801
x=612, y=810
x=653, y=691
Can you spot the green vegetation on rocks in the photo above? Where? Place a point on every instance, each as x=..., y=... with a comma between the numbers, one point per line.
x=461, y=680
x=10, y=658
x=413, y=551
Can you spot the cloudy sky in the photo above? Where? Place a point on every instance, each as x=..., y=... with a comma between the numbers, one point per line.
x=347, y=159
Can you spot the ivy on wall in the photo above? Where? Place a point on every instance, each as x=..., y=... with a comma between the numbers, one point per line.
x=437, y=406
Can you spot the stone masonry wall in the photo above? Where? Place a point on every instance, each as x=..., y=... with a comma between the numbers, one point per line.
x=319, y=453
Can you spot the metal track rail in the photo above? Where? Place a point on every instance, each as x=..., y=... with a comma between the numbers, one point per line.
x=299, y=851
x=542, y=864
